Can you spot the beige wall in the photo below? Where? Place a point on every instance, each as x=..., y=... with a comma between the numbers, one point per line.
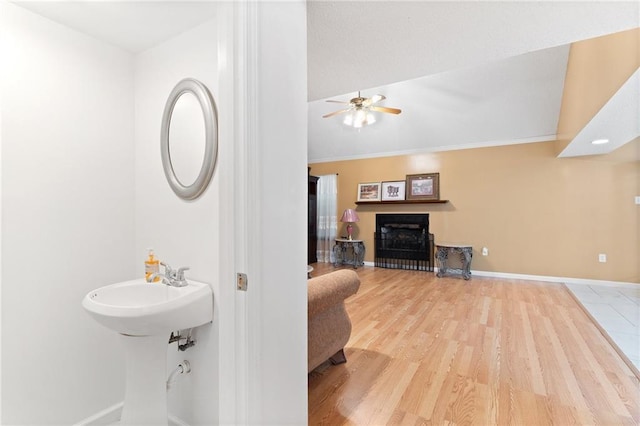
x=536, y=213
x=596, y=69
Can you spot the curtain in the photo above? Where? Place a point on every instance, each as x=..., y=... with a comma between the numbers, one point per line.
x=327, y=218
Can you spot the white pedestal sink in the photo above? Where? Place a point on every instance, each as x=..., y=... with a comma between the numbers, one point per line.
x=145, y=314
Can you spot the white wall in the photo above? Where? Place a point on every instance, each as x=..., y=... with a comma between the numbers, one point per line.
x=67, y=216
x=183, y=233
x=251, y=219
x=278, y=300
x=83, y=195
x=253, y=216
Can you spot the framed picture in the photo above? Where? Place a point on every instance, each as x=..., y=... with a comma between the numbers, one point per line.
x=424, y=186
x=369, y=191
x=393, y=191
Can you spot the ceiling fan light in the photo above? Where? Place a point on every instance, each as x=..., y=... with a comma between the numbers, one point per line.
x=359, y=118
x=359, y=113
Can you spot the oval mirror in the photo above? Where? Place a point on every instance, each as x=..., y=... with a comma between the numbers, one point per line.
x=189, y=138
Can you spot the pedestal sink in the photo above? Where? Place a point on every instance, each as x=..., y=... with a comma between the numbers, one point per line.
x=145, y=314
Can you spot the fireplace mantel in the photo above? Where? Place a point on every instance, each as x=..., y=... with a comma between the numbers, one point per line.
x=404, y=202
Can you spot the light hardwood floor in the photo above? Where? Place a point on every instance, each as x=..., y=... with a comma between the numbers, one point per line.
x=427, y=350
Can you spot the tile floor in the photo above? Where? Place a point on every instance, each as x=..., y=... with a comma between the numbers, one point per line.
x=617, y=310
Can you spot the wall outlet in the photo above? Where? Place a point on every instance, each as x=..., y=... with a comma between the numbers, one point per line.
x=485, y=251
x=638, y=199
x=602, y=258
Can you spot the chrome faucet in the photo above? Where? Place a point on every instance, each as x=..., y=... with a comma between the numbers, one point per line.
x=171, y=277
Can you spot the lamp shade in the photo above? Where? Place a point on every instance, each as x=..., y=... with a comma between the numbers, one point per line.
x=349, y=215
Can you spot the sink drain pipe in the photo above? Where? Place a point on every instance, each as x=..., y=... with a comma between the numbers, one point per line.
x=183, y=368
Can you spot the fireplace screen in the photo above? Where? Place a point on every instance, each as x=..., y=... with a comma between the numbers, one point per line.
x=403, y=241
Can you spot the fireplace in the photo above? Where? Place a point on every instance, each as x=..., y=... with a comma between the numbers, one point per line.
x=403, y=241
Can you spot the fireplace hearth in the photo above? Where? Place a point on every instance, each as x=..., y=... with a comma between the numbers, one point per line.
x=403, y=241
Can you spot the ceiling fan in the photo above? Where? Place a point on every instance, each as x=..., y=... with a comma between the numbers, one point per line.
x=360, y=108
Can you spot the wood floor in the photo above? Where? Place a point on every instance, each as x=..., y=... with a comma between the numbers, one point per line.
x=444, y=351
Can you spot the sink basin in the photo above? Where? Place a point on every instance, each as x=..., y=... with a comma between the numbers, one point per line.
x=144, y=314
x=138, y=308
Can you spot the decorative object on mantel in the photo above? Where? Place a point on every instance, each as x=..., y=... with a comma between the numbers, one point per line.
x=425, y=186
x=393, y=191
x=349, y=216
x=359, y=110
x=369, y=191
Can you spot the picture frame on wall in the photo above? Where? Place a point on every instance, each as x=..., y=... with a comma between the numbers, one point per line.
x=424, y=186
x=393, y=190
x=369, y=191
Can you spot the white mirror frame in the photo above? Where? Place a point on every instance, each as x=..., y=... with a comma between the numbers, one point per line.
x=210, y=113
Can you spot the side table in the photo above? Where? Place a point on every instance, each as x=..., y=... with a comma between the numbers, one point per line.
x=340, y=250
x=443, y=250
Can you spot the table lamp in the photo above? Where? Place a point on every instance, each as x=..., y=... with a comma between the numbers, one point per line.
x=349, y=216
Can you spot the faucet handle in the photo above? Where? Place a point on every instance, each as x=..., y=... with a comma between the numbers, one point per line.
x=178, y=278
x=167, y=268
x=180, y=272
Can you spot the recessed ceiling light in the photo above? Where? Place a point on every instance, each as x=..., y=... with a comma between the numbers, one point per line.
x=600, y=141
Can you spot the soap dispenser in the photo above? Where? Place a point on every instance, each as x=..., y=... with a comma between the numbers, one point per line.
x=151, y=266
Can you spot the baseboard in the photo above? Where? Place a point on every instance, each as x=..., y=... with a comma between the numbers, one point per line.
x=111, y=416
x=546, y=278
x=108, y=416
x=174, y=421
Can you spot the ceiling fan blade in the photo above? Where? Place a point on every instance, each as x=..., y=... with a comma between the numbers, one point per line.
x=372, y=100
x=386, y=109
x=337, y=102
x=331, y=114
x=377, y=98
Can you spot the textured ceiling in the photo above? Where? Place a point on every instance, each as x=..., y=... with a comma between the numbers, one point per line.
x=362, y=44
x=466, y=74
x=513, y=100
